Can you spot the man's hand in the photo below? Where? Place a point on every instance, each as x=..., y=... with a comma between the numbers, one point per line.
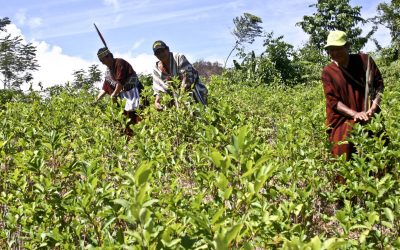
x=185, y=83
x=374, y=107
x=157, y=103
x=371, y=112
x=360, y=116
x=158, y=106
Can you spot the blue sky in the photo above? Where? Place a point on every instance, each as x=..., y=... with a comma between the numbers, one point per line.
x=66, y=40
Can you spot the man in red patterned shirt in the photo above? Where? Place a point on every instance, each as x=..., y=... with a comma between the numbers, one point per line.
x=344, y=81
x=121, y=81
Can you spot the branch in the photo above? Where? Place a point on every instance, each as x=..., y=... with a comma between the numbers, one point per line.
x=237, y=43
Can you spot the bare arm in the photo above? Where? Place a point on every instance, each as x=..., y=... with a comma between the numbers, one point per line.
x=100, y=95
x=357, y=116
x=375, y=105
x=157, y=102
x=117, y=90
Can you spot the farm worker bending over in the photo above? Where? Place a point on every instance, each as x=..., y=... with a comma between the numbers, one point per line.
x=175, y=65
x=345, y=85
x=121, y=81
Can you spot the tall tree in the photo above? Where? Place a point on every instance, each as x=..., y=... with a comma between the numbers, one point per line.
x=335, y=15
x=17, y=59
x=4, y=22
x=283, y=57
x=247, y=28
x=389, y=17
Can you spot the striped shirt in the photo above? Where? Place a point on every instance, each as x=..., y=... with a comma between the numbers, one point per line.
x=178, y=65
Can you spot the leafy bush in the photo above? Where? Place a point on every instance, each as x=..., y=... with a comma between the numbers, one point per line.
x=254, y=71
x=279, y=64
x=252, y=170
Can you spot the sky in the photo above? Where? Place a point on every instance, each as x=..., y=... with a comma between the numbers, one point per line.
x=66, y=41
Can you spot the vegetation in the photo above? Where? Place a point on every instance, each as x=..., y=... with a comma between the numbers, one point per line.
x=87, y=80
x=388, y=16
x=256, y=174
x=17, y=59
x=252, y=170
x=247, y=28
x=335, y=15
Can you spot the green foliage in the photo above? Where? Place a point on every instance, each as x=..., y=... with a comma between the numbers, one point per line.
x=253, y=71
x=279, y=64
x=335, y=15
x=83, y=80
x=10, y=95
x=284, y=59
x=251, y=170
x=247, y=28
x=391, y=70
x=3, y=22
x=311, y=61
x=17, y=60
x=388, y=16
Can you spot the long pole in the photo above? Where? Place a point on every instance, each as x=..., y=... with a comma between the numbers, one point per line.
x=101, y=36
x=367, y=85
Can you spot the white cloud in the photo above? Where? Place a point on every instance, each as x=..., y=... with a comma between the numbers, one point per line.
x=142, y=63
x=137, y=44
x=11, y=29
x=35, y=22
x=55, y=67
x=113, y=3
x=22, y=19
x=117, y=19
x=20, y=16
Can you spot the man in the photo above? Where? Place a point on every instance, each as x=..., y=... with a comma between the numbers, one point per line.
x=174, y=65
x=344, y=82
x=121, y=81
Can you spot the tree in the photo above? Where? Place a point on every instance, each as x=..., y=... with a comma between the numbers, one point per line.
x=17, y=60
x=3, y=22
x=83, y=80
x=283, y=57
x=247, y=28
x=389, y=16
x=335, y=15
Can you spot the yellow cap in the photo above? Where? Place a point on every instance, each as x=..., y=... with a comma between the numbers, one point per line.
x=336, y=38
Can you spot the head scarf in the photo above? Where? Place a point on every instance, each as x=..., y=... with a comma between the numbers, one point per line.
x=103, y=52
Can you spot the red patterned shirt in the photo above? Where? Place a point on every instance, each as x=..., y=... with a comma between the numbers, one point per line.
x=120, y=72
x=340, y=87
